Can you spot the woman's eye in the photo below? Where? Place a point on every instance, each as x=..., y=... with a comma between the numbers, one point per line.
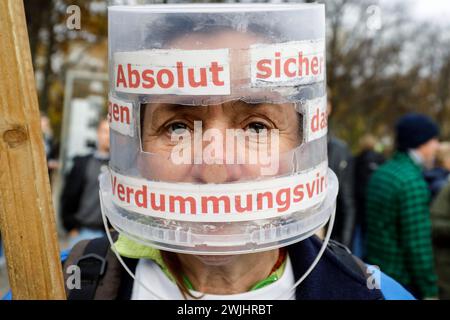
x=177, y=128
x=256, y=127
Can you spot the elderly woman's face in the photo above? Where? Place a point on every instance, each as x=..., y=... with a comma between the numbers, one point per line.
x=201, y=135
x=208, y=137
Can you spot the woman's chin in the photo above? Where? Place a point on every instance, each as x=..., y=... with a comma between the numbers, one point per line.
x=216, y=260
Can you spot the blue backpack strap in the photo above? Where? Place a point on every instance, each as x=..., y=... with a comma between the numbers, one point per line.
x=7, y=296
x=392, y=290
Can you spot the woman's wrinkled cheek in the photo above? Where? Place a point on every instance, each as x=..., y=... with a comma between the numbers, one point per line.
x=159, y=167
x=154, y=162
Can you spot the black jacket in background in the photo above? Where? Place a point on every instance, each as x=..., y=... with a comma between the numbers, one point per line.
x=340, y=160
x=71, y=194
x=366, y=163
x=76, y=184
x=437, y=179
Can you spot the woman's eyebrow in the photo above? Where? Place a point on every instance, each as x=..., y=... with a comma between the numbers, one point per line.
x=161, y=111
x=272, y=111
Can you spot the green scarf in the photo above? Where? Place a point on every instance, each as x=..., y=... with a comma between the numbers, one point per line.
x=134, y=250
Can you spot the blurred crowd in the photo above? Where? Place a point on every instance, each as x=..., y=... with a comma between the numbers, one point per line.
x=394, y=211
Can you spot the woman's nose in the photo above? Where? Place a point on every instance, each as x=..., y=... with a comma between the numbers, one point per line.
x=215, y=167
x=216, y=173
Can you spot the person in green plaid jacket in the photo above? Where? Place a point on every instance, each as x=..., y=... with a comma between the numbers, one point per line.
x=398, y=215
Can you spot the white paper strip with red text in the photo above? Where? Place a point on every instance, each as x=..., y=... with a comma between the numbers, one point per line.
x=221, y=202
x=315, y=112
x=120, y=116
x=288, y=64
x=178, y=72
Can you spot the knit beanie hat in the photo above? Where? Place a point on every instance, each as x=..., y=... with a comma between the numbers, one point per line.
x=413, y=130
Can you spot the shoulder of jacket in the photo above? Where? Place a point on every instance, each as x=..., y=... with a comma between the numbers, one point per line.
x=397, y=172
x=81, y=161
x=349, y=261
x=338, y=275
x=83, y=157
x=340, y=145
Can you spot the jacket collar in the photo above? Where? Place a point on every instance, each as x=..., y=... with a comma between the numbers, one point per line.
x=405, y=157
x=336, y=276
x=416, y=158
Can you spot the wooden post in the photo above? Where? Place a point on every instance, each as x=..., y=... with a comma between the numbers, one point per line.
x=27, y=220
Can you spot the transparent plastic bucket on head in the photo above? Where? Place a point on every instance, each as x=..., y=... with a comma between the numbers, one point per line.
x=218, y=118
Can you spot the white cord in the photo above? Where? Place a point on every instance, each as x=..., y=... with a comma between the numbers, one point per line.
x=113, y=246
x=302, y=278
x=316, y=260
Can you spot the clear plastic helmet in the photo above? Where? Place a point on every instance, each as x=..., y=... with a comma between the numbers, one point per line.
x=218, y=126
